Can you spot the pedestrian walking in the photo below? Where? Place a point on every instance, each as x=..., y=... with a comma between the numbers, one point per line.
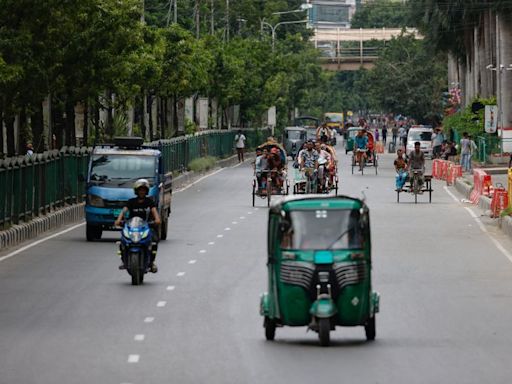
x=402, y=132
x=384, y=134
x=465, y=152
x=394, y=133
x=240, y=145
x=437, y=143
x=473, y=148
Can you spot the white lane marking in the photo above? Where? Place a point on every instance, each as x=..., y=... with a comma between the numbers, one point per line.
x=149, y=319
x=133, y=358
x=139, y=337
x=234, y=222
x=256, y=209
x=199, y=180
x=249, y=213
x=14, y=253
x=451, y=194
x=220, y=236
x=170, y=287
x=192, y=261
x=202, y=251
x=227, y=229
x=498, y=245
x=161, y=304
x=179, y=274
x=242, y=217
x=211, y=243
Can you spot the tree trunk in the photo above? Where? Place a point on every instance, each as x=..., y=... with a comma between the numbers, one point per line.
x=1, y=131
x=9, y=126
x=97, y=134
x=70, y=123
x=150, y=113
x=175, y=114
x=109, y=129
x=86, y=123
x=38, y=128
x=142, y=114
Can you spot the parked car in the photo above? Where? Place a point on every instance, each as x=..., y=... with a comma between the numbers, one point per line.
x=423, y=134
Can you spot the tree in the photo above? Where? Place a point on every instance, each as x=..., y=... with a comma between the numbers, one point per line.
x=383, y=14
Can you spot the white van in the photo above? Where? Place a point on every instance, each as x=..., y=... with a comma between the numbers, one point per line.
x=423, y=134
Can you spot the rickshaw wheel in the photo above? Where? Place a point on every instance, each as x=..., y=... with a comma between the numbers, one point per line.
x=324, y=329
x=270, y=329
x=369, y=329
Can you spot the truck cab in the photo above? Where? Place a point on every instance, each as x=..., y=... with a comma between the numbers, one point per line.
x=112, y=171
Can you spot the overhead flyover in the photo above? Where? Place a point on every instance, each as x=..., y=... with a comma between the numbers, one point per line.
x=336, y=57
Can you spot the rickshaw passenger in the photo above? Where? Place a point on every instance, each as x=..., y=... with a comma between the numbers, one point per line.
x=260, y=167
x=401, y=170
x=361, y=144
x=322, y=153
x=275, y=165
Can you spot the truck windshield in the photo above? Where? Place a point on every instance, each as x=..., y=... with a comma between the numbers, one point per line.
x=324, y=229
x=122, y=169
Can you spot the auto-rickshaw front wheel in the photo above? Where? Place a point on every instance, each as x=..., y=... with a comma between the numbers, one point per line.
x=369, y=329
x=270, y=328
x=324, y=329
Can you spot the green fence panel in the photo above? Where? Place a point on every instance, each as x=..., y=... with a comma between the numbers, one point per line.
x=3, y=191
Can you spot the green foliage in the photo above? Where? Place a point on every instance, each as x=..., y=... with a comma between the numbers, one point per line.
x=190, y=127
x=383, y=14
x=467, y=121
x=409, y=79
x=202, y=164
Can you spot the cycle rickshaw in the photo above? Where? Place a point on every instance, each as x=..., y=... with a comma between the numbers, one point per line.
x=370, y=160
x=271, y=181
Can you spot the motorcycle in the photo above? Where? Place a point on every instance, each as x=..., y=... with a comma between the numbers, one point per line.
x=136, y=248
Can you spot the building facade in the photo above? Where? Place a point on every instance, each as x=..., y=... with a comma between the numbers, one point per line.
x=331, y=13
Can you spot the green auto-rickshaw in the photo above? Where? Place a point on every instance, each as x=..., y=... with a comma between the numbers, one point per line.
x=350, y=134
x=319, y=266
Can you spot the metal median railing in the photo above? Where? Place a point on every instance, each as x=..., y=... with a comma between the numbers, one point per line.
x=32, y=186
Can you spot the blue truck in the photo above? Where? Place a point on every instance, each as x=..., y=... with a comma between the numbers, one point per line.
x=113, y=168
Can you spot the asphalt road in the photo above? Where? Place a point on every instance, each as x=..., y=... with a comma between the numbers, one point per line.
x=67, y=315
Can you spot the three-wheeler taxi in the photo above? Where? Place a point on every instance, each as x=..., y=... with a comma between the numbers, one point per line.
x=319, y=266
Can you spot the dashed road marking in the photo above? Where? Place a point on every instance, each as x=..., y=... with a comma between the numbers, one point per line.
x=179, y=274
x=192, y=261
x=242, y=217
x=234, y=222
x=161, y=304
x=133, y=359
x=139, y=337
x=170, y=287
x=227, y=229
x=220, y=236
x=211, y=243
x=149, y=319
x=202, y=251
x=249, y=213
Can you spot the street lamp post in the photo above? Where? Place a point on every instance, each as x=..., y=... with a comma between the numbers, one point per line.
x=303, y=7
x=274, y=27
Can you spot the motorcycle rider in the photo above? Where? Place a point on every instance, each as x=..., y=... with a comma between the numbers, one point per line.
x=142, y=206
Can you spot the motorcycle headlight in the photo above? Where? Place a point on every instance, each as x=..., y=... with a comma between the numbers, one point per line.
x=126, y=232
x=135, y=237
x=145, y=233
x=96, y=201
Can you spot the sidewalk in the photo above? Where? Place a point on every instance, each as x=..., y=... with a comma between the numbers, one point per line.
x=464, y=185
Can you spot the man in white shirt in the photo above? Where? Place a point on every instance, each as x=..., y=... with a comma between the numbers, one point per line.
x=240, y=145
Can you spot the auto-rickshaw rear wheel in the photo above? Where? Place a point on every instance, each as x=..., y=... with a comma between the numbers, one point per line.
x=270, y=328
x=324, y=329
x=369, y=329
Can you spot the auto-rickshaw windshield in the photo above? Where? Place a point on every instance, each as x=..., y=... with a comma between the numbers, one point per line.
x=294, y=135
x=323, y=229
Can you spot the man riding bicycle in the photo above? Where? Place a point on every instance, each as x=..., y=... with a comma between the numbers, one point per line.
x=416, y=163
x=360, y=145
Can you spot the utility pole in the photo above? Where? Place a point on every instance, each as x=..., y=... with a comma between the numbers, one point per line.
x=227, y=20
x=212, y=6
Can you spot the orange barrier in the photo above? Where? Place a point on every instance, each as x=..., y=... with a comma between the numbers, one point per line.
x=509, y=187
x=444, y=169
x=482, y=185
x=454, y=171
x=499, y=201
x=436, y=168
x=379, y=147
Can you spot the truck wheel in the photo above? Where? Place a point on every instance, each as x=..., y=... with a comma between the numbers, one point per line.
x=369, y=329
x=163, y=227
x=93, y=232
x=270, y=328
x=324, y=328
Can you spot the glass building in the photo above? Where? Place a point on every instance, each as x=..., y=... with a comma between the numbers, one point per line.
x=332, y=13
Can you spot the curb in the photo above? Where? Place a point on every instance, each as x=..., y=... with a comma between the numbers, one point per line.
x=17, y=234
x=506, y=225
x=463, y=188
